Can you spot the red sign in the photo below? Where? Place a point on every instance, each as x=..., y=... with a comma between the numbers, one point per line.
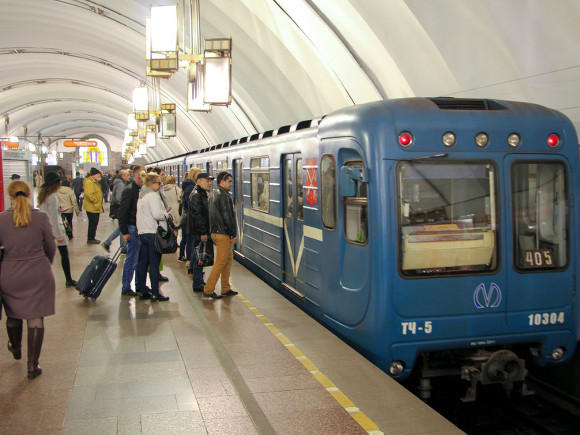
x=9, y=144
x=311, y=185
x=80, y=143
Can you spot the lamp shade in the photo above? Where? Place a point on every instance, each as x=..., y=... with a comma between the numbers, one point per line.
x=168, y=127
x=151, y=139
x=140, y=100
x=217, y=76
x=131, y=122
x=164, y=28
x=195, y=89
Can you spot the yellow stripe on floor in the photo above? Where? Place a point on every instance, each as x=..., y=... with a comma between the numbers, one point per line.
x=360, y=417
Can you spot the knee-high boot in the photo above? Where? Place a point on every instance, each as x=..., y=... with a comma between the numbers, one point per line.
x=35, y=337
x=14, y=329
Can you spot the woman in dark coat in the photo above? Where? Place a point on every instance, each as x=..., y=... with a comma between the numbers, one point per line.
x=26, y=279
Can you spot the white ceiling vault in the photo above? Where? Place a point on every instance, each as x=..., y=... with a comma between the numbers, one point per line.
x=68, y=67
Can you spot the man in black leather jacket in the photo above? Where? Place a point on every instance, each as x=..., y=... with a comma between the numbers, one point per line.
x=198, y=223
x=128, y=227
x=223, y=230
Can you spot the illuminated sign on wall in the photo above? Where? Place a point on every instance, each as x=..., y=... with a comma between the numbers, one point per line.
x=80, y=143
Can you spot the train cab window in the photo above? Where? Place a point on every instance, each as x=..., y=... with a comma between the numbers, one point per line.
x=355, y=212
x=299, y=191
x=540, y=218
x=260, y=183
x=447, y=218
x=328, y=191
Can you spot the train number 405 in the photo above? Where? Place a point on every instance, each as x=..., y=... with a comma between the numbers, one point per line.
x=537, y=319
x=412, y=328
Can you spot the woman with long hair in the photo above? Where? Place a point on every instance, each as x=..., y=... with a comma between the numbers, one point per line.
x=151, y=213
x=26, y=280
x=48, y=203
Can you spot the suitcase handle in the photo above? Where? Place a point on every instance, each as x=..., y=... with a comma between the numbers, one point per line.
x=116, y=255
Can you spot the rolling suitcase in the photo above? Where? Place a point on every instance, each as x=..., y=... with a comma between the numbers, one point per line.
x=96, y=275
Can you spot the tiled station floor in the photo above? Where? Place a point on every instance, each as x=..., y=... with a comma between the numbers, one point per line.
x=247, y=364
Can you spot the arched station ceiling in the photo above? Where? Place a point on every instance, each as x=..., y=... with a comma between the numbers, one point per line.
x=69, y=66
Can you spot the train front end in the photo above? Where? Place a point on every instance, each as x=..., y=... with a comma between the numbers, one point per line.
x=486, y=241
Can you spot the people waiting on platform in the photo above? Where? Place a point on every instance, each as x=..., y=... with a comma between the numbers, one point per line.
x=119, y=185
x=78, y=188
x=15, y=177
x=93, y=203
x=68, y=203
x=26, y=281
x=128, y=228
x=48, y=202
x=151, y=213
x=198, y=212
x=224, y=235
x=185, y=246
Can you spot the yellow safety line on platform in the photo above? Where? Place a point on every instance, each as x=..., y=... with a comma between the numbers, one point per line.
x=360, y=417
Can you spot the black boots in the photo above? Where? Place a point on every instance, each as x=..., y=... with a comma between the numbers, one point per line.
x=35, y=337
x=15, y=340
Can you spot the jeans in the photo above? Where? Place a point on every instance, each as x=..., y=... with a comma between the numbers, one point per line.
x=131, y=258
x=93, y=222
x=116, y=232
x=183, y=243
x=149, y=258
x=222, y=264
x=197, y=271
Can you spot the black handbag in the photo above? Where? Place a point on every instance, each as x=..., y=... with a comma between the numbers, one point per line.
x=67, y=228
x=204, y=254
x=165, y=239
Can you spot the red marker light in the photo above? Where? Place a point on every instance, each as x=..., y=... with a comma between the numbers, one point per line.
x=405, y=139
x=553, y=140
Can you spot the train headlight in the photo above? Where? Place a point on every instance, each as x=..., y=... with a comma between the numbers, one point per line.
x=406, y=139
x=553, y=140
x=514, y=140
x=481, y=140
x=396, y=368
x=558, y=353
x=448, y=139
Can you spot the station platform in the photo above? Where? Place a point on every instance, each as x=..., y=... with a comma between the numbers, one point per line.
x=247, y=364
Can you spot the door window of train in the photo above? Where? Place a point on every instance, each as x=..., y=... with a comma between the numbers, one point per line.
x=288, y=188
x=355, y=212
x=260, y=183
x=328, y=191
x=299, y=191
x=447, y=218
x=540, y=215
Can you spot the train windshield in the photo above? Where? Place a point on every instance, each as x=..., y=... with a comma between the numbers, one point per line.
x=447, y=218
x=540, y=215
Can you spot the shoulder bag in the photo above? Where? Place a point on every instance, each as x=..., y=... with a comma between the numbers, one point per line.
x=165, y=239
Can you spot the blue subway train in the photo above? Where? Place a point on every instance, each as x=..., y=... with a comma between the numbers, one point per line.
x=436, y=235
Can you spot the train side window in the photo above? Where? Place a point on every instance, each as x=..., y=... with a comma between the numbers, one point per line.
x=328, y=191
x=260, y=183
x=355, y=212
x=540, y=213
x=299, y=191
x=288, y=188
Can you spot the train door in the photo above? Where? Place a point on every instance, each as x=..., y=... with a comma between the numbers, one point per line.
x=239, y=201
x=293, y=220
x=541, y=237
